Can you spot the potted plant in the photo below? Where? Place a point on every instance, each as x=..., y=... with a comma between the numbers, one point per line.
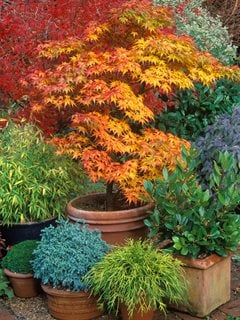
x=18, y=269
x=35, y=182
x=111, y=77
x=138, y=279
x=200, y=225
x=63, y=256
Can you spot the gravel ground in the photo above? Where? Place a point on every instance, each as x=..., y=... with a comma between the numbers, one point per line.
x=34, y=308
x=29, y=309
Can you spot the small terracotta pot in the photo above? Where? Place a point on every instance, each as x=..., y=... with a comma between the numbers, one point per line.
x=115, y=226
x=24, y=285
x=67, y=305
x=137, y=315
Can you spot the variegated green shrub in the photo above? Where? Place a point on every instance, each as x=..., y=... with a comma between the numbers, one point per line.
x=207, y=31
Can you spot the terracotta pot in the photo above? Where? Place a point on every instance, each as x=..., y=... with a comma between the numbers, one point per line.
x=116, y=226
x=24, y=285
x=136, y=314
x=67, y=305
x=209, y=282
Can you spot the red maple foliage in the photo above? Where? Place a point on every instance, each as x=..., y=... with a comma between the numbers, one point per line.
x=26, y=24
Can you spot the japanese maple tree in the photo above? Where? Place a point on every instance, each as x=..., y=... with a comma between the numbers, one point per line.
x=109, y=77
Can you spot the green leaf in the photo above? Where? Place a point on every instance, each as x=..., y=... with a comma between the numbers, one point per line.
x=148, y=186
x=216, y=167
x=165, y=174
x=184, y=251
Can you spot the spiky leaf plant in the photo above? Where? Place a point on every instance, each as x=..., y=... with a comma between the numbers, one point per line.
x=137, y=275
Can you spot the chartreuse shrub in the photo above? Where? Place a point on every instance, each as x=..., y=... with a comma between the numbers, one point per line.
x=66, y=253
x=35, y=182
x=19, y=256
x=223, y=135
x=196, y=220
x=137, y=275
x=208, y=32
x=194, y=110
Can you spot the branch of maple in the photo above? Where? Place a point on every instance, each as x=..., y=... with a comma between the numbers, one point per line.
x=109, y=196
x=142, y=88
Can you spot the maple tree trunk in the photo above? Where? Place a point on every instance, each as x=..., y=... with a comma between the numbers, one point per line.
x=109, y=196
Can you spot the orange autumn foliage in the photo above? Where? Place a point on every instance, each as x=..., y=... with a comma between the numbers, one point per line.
x=106, y=76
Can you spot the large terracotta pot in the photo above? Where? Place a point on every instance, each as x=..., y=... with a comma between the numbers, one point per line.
x=116, y=226
x=24, y=285
x=19, y=232
x=67, y=305
x=136, y=314
x=209, y=284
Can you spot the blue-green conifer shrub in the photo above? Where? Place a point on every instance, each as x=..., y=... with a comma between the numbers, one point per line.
x=66, y=253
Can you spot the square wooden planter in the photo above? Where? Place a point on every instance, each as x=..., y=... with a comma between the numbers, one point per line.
x=209, y=282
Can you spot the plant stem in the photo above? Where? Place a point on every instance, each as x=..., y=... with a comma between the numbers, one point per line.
x=109, y=196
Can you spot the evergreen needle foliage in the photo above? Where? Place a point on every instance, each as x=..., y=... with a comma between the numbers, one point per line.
x=18, y=258
x=66, y=253
x=139, y=276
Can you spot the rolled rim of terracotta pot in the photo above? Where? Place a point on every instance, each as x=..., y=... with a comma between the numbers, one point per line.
x=17, y=275
x=108, y=217
x=204, y=263
x=61, y=292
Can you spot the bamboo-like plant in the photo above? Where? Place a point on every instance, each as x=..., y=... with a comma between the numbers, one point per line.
x=35, y=182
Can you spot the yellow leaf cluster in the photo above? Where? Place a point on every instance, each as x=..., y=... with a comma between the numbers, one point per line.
x=104, y=76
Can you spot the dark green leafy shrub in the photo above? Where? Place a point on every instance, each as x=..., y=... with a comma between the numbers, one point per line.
x=223, y=135
x=137, y=275
x=66, y=253
x=5, y=290
x=197, y=221
x=35, y=182
x=198, y=108
x=19, y=256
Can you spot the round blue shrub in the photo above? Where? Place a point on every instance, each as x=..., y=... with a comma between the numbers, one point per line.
x=66, y=253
